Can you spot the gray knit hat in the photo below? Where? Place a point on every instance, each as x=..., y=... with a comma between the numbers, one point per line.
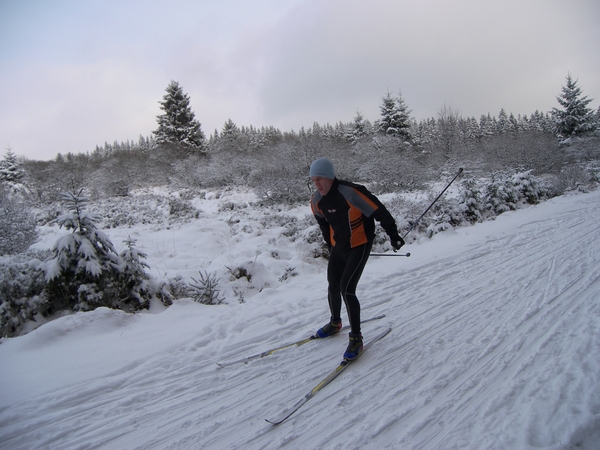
x=322, y=167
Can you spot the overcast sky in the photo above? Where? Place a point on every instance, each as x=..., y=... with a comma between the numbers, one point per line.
x=77, y=73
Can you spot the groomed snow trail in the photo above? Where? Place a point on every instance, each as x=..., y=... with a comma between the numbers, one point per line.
x=495, y=345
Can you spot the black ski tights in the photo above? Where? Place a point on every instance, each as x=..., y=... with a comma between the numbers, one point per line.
x=343, y=273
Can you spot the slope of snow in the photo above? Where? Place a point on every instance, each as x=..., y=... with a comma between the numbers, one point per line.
x=495, y=345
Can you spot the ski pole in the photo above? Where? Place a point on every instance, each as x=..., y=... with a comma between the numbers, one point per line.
x=432, y=203
x=419, y=219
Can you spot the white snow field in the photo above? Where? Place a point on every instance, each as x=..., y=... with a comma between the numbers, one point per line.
x=495, y=345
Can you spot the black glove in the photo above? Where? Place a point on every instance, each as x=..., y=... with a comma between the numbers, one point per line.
x=397, y=241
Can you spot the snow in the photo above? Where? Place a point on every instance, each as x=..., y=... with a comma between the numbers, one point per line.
x=495, y=345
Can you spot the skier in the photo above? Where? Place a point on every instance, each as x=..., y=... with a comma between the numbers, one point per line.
x=346, y=213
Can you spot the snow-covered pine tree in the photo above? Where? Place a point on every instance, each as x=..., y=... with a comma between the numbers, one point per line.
x=178, y=125
x=230, y=131
x=232, y=138
x=17, y=225
x=539, y=122
x=86, y=271
x=11, y=172
x=83, y=259
x=487, y=125
x=523, y=122
x=403, y=123
x=503, y=123
x=471, y=129
x=134, y=279
x=358, y=128
x=395, y=117
x=513, y=123
x=18, y=229
x=575, y=118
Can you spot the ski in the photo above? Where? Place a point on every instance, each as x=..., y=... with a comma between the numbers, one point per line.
x=328, y=379
x=281, y=347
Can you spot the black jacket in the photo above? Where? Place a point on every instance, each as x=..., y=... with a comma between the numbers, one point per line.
x=347, y=214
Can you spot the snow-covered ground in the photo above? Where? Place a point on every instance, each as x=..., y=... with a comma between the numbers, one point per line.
x=495, y=345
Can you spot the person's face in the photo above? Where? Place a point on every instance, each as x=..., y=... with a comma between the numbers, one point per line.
x=322, y=184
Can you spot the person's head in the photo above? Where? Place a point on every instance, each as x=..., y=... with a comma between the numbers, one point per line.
x=322, y=175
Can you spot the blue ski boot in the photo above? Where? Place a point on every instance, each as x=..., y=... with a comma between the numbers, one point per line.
x=329, y=329
x=355, y=347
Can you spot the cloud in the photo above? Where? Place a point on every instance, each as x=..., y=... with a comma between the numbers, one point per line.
x=476, y=55
x=71, y=107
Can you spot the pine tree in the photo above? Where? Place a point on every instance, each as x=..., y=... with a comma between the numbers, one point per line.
x=502, y=123
x=513, y=123
x=403, y=124
x=473, y=129
x=470, y=200
x=86, y=271
x=486, y=124
x=82, y=258
x=230, y=130
x=575, y=117
x=133, y=277
x=395, y=117
x=230, y=138
x=358, y=128
x=178, y=124
x=388, y=114
x=539, y=122
x=18, y=228
x=10, y=169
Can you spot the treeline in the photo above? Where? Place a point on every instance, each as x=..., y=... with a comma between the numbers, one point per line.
x=432, y=134
x=276, y=163
x=396, y=151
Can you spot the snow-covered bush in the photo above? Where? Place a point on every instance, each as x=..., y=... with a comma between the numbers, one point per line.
x=131, y=210
x=594, y=171
x=501, y=196
x=476, y=201
x=507, y=192
x=182, y=209
x=530, y=189
x=282, y=185
x=479, y=201
x=470, y=200
x=445, y=215
x=22, y=283
x=204, y=290
x=142, y=207
x=576, y=177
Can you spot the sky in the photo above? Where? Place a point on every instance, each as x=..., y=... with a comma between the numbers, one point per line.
x=76, y=74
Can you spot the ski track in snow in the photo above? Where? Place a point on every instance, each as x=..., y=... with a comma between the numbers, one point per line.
x=495, y=344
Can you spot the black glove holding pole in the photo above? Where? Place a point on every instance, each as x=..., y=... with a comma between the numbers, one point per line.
x=397, y=241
